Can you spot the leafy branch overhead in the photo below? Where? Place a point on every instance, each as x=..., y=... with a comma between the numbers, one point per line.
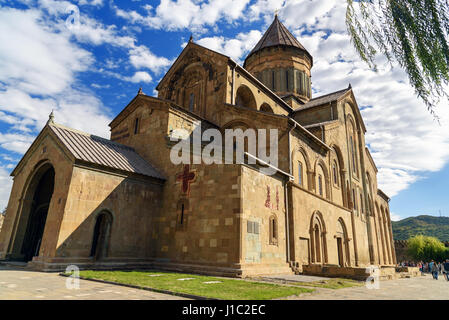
x=411, y=33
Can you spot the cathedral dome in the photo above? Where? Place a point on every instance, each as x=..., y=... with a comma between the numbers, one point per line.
x=281, y=62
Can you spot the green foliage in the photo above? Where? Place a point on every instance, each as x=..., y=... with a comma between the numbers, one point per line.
x=427, y=248
x=412, y=33
x=437, y=227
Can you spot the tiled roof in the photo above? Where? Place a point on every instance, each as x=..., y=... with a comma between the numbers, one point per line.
x=323, y=99
x=103, y=152
x=277, y=34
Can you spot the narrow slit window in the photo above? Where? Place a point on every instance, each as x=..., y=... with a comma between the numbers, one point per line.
x=300, y=173
x=136, y=126
x=191, y=101
x=181, y=220
x=320, y=185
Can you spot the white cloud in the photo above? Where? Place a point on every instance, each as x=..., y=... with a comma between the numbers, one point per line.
x=140, y=77
x=38, y=72
x=395, y=217
x=235, y=48
x=185, y=14
x=5, y=187
x=142, y=57
x=33, y=59
x=97, y=3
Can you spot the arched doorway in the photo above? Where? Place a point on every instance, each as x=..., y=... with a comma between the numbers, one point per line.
x=101, y=236
x=342, y=244
x=318, y=239
x=35, y=215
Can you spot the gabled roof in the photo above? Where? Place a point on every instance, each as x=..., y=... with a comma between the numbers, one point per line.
x=277, y=35
x=182, y=54
x=332, y=97
x=96, y=150
x=327, y=98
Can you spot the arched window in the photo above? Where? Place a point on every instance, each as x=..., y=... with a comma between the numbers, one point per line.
x=191, y=101
x=352, y=153
x=361, y=203
x=354, y=199
x=322, y=180
x=300, y=170
x=335, y=173
x=245, y=98
x=273, y=230
x=320, y=185
x=265, y=107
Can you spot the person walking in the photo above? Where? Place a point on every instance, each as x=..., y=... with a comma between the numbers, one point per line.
x=435, y=270
x=446, y=269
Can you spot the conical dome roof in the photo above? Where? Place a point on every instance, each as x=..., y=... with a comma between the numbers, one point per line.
x=277, y=35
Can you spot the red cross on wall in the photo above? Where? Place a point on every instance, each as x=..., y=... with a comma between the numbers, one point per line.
x=186, y=177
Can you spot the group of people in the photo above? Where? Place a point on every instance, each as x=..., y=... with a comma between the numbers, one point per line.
x=408, y=264
x=435, y=268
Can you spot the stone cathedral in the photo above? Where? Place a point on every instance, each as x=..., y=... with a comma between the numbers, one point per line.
x=121, y=203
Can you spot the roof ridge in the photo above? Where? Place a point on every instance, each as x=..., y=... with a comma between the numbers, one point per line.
x=90, y=135
x=328, y=94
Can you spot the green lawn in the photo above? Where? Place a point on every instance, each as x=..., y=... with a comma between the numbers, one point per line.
x=227, y=289
x=336, y=283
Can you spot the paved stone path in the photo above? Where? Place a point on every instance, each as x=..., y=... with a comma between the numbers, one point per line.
x=419, y=288
x=16, y=284
x=26, y=285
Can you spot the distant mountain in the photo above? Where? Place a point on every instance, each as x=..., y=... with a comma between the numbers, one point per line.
x=426, y=225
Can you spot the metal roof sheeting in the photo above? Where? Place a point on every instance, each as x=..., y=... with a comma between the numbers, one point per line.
x=318, y=101
x=103, y=152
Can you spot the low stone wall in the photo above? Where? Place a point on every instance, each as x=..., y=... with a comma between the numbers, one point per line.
x=359, y=273
x=334, y=271
x=407, y=272
x=388, y=273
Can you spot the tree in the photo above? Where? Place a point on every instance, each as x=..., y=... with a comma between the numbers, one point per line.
x=412, y=33
x=424, y=248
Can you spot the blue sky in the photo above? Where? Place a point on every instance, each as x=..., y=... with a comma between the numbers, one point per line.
x=86, y=59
